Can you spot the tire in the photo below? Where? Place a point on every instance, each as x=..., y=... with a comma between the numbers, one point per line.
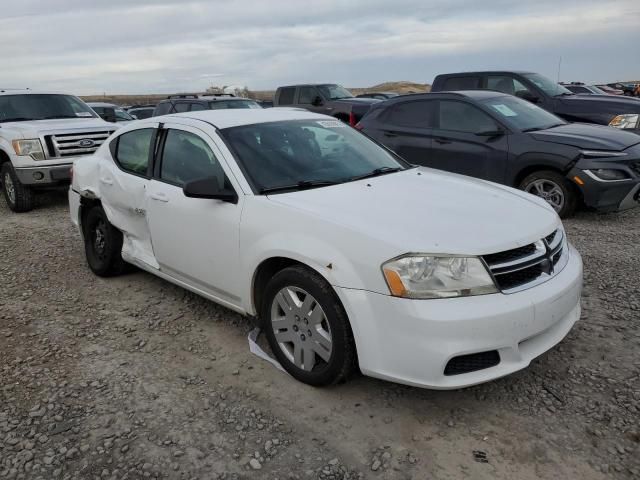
x=102, y=244
x=554, y=188
x=323, y=337
x=19, y=197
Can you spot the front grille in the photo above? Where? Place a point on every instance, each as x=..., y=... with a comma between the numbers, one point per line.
x=524, y=267
x=472, y=362
x=71, y=144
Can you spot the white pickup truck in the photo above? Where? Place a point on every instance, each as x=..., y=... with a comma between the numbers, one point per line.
x=41, y=134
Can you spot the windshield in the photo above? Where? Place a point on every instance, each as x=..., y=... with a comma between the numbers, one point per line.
x=142, y=113
x=548, y=86
x=597, y=90
x=277, y=154
x=334, y=92
x=223, y=104
x=520, y=114
x=16, y=108
x=122, y=115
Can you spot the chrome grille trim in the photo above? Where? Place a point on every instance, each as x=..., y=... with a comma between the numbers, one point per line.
x=548, y=259
x=69, y=144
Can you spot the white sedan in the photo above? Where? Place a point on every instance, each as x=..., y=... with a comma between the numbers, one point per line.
x=346, y=255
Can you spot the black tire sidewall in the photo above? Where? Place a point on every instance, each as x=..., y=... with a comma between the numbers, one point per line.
x=570, y=197
x=341, y=360
x=23, y=194
x=111, y=265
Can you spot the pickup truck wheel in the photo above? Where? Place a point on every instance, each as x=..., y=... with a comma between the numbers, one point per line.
x=554, y=188
x=307, y=327
x=18, y=196
x=102, y=244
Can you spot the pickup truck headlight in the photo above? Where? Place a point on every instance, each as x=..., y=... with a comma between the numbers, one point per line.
x=628, y=120
x=31, y=147
x=433, y=276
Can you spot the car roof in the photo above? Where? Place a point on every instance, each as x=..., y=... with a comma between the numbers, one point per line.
x=236, y=117
x=102, y=104
x=471, y=94
x=26, y=91
x=485, y=72
x=307, y=85
x=205, y=98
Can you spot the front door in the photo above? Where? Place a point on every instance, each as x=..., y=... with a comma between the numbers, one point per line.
x=461, y=143
x=195, y=240
x=123, y=186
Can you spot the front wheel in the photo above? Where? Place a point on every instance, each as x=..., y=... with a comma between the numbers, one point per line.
x=307, y=328
x=18, y=196
x=554, y=189
x=102, y=244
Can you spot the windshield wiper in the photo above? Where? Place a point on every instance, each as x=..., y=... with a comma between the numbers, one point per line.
x=16, y=119
x=375, y=173
x=51, y=117
x=547, y=127
x=301, y=185
x=564, y=94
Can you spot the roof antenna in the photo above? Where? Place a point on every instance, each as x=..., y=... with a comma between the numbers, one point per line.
x=559, y=65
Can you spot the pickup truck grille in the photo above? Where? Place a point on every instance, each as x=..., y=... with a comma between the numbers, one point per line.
x=75, y=143
x=524, y=267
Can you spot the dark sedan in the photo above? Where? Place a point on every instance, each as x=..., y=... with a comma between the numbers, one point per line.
x=508, y=140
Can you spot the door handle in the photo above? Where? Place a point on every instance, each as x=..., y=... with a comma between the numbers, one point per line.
x=106, y=180
x=390, y=134
x=161, y=197
x=442, y=140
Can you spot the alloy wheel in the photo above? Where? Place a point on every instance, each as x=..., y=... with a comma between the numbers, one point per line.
x=550, y=191
x=10, y=188
x=301, y=328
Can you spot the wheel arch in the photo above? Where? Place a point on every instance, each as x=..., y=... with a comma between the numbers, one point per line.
x=4, y=157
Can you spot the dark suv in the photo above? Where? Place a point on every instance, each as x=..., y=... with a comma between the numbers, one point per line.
x=619, y=112
x=193, y=102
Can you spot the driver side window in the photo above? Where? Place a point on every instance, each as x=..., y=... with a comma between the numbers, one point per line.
x=187, y=157
x=306, y=95
x=506, y=84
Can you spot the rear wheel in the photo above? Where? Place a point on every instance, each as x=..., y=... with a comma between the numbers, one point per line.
x=307, y=328
x=554, y=189
x=18, y=196
x=102, y=244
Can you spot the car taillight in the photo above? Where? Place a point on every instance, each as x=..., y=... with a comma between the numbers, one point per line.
x=352, y=119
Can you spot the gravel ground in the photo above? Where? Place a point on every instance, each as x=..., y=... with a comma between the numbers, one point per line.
x=132, y=377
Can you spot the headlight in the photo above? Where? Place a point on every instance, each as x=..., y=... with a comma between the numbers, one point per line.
x=628, y=120
x=31, y=147
x=432, y=276
x=607, y=174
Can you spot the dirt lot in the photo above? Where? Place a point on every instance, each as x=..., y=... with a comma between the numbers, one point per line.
x=133, y=377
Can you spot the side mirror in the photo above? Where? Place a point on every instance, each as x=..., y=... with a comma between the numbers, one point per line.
x=491, y=133
x=317, y=101
x=135, y=117
x=528, y=96
x=109, y=114
x=209, y=188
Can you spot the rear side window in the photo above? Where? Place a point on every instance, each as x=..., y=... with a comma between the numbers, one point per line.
x=163, y=108
x=412, y=114
x=286, y=96
x=197, y=106
x=181, y=107
x=187, y=157
x=463, y=117
x=132, y=150
x=461, y=83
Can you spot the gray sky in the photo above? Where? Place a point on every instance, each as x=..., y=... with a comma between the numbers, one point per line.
x=145, y=46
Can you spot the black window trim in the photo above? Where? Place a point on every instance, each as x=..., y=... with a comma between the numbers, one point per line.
x=115, y=144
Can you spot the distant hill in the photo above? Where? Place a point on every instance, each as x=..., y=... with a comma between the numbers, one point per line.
x=397, y=87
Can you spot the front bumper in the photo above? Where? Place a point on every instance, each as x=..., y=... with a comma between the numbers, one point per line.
x=411, y=341
x=606, y=196
x=45, y=175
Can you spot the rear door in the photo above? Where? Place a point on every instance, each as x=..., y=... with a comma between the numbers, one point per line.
x=195, y=240
x=123, y=187
x=459, y=144
x=406, y=128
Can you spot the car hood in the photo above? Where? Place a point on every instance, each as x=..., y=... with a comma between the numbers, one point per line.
x=358, y=101
x=589, y=136
x=430, y=211
x=599, y=103
x=33, y=128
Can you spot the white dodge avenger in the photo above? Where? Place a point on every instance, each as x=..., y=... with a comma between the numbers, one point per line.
x=347, y=256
